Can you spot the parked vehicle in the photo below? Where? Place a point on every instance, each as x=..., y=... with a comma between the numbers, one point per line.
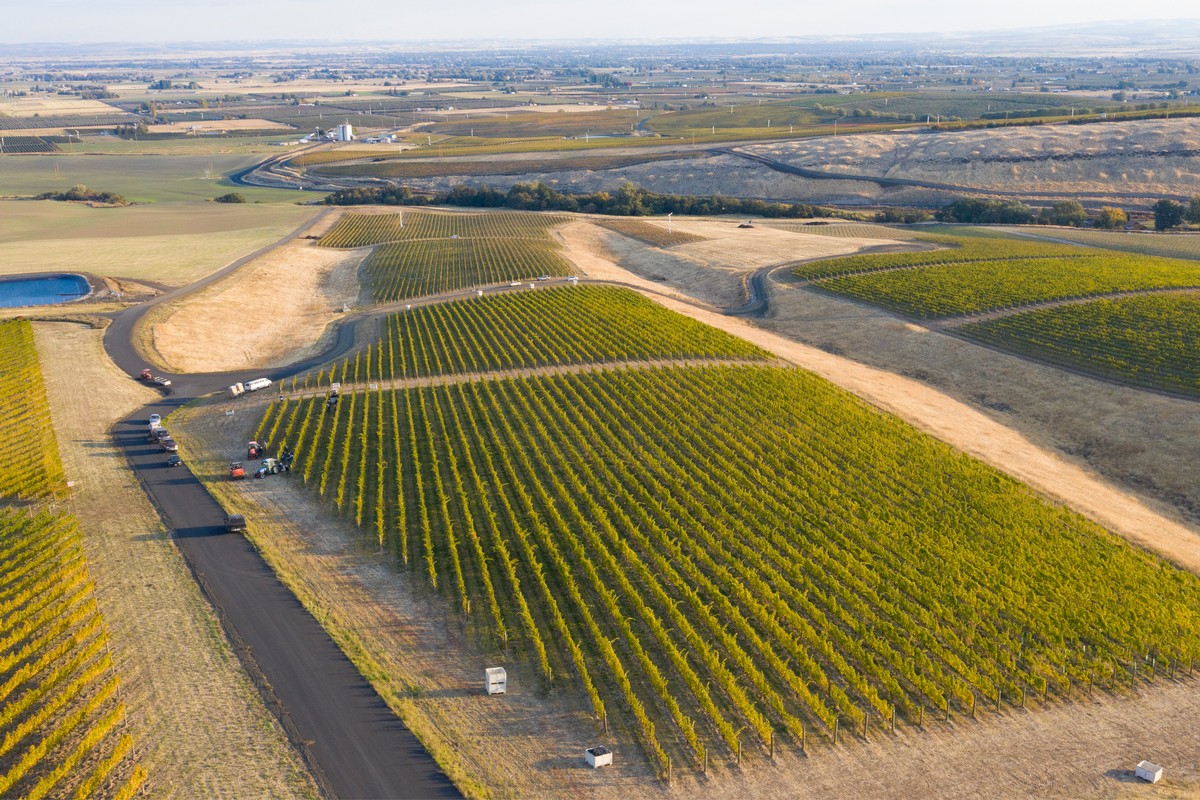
x=158, y=433
x=255, y=451
x=236, y=471
x=237, y=389
x=147, y=374
x=161, y=381
x=174, y=460
x=169, y=445
x=235, y=523
x=155, y=419
x=257, y=383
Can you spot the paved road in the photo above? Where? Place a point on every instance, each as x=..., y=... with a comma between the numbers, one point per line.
x=353, y=743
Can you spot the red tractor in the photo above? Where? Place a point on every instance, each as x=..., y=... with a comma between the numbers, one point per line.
x=147, y=375
x=255, y=451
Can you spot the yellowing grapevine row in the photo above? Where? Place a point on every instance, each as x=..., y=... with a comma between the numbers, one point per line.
x=723, y=557
x=62, y=725
x=30, y=468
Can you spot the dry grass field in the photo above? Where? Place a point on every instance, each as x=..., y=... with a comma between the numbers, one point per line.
x=204, y=731
x=171, y=243
x=44, y=105
x=271, y=312
x=1151, y=156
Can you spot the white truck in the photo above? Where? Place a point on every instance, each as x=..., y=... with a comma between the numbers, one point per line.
x=249, y=386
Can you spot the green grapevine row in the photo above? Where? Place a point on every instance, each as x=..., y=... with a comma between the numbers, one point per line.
x=966, y=288
x=1149, y=340
x=952, y=250
x=517, y=330
x=408, y=269
x=361, y=230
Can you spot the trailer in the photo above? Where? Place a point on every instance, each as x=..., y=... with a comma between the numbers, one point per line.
x=237, y=389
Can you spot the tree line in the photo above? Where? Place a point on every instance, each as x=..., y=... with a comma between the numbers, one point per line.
x=1167, y=213
x=628, y=201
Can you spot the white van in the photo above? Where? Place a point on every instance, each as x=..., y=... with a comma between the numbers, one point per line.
x=257, y=383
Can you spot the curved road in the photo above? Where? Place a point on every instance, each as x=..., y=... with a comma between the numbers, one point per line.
x=353, y=743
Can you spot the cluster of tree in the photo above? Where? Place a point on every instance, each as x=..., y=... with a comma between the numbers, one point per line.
x=1170, y=214
x=628, y=201
x=906, y=216
x=232, y=197
x=79, y=192
x=982, y=211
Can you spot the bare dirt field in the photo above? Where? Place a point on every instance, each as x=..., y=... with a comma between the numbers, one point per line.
x=52, y=105
x=199, y=725
x=205, y=125
x=271, y=312
x=713, y=270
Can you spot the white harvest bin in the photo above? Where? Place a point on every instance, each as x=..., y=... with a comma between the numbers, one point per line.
x=1149, y=772
x=495, y=680
x=598, y=756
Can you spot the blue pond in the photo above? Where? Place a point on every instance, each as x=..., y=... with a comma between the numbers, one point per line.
x=42, y=291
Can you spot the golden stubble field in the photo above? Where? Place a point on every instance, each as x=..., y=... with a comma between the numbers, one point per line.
x=199, y=725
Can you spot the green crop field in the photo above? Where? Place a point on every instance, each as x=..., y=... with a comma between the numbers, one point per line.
x=714, y=561
x=140, y=178
x=1149, y=341
x=959, y=249
x=516, y=330
x=29, y=464
x=362, y=230
x=954, y=289
x=649, y=233
x=403, y=270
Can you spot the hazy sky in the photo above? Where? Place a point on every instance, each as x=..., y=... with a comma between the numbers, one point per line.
x=403, y=20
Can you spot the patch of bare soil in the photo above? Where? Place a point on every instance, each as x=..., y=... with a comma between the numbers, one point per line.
x=271, y=312
x=199, y=725
x=713, y=270
x=408, y=642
